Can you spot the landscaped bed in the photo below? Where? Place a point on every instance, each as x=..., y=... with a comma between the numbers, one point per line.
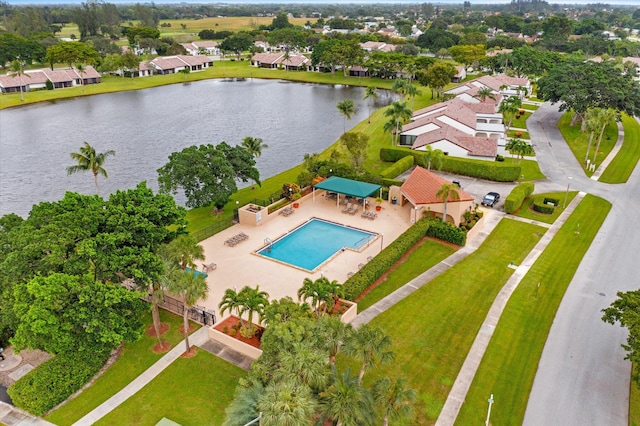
x=527, y=211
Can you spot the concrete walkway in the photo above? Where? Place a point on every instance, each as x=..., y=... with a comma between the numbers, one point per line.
x=12, y=416
x=470, y=366
x=616, y=148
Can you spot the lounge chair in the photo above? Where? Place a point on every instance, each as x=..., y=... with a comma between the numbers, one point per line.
x=209, y=267
x=353, y=210
x=360, y=265
x=347, y=209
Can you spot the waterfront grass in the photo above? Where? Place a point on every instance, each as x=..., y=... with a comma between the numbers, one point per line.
x=626, y=160
x=510, y=363
x=191, y=391
x=433, y=329
x=527, y=212
x=134, y=359
x=429, y=253
x=578, y=141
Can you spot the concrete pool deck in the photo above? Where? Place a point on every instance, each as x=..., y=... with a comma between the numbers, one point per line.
x=238, y=266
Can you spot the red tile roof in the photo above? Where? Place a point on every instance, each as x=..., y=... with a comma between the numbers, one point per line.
x=422, y=186
x=475, y=146
x=267, y=58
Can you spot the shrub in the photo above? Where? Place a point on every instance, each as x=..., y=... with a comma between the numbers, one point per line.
x=395, y=154
x=446, y=232
x=49, y=85
x=496, y=171
x=398, y=167
x=55, y=380
x=543, y=208
x=517, y=196
x=391, y=182
x=499, y=158
x=553, y=201
x=518, y=134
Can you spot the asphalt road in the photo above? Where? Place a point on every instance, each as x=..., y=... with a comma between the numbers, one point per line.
x=582, y=378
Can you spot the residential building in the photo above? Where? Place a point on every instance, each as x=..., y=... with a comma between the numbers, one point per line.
x=174, y=64
x=37, y=79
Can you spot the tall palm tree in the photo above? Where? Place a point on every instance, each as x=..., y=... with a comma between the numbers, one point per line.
x=606, y=116
x=304, y=364
x=184, y=251
x=412, y=91
x=347, y=108
x=519, y=147
x=81, y=70
x=231, y=301
x=509, y=108
x=485, y=93
x=447, y=191
x=244, y=407
x=89, y=160
x=190, y=286
x=17, y=69
x=322, y=293
x=370, y=95
x=433, y=156
x=334, y=333
x=346, y=402
x=400, y=114
x=394, y=398
x=252, y=301
x=286, y=403
x=371, y=345
x=254, y=146
x=400, y=87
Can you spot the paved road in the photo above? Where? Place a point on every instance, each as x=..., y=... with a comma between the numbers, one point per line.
x=582, y=378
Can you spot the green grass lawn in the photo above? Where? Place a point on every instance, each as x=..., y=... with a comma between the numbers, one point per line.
x=433, y=329
x=521, y=122
x=625, y=161
x=134, y=360
x=429, y=253
x=579, y=141
x=192, y=391
x=526, y=211
x=530, y=107
x=634, y=405
x=523, y=135
x=510, y=363
x=530, y=169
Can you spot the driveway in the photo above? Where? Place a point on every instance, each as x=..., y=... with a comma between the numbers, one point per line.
x=582, y=377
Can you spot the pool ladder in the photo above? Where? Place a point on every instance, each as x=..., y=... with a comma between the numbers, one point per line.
x=269, y=243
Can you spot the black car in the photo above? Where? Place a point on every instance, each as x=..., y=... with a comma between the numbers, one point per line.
x=490, y=199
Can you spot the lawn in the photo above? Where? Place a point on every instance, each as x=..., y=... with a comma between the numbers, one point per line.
x=427, y=254
x=134, y=359
x=530, y=107
x=520, y=123
x=634, y=405
x=510, y=363
x=433, y=329
x=623, y=164
x=578, y=141
x=527, y=212
x=192, y=391
x=522, y=135
x=530, y=169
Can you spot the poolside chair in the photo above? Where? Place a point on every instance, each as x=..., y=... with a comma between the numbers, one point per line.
x=350, y=274
x=354, y=209
x=360, y=265
x=369, y=258
x=209, y=267
x=373, y=216
x=347, y=209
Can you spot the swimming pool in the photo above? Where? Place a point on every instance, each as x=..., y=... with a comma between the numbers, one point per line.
x=314, y=242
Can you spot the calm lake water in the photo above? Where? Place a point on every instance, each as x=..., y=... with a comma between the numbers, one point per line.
x=145, y=126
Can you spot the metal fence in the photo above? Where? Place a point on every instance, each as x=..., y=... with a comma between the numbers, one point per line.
x=214, y=228
x=196, y=313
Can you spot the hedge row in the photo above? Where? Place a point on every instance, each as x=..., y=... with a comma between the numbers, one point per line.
x=397, y=168
x=543, y=208
x=373, y=270
x=54, y=381
x=395, y=154
x=447, y=232
x=517, y=196
x=490, y=170
x=391, y=182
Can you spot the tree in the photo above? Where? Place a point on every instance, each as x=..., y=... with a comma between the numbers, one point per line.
x=254, y=146
x=347, y=108
x=230, y=301
x=252, y=301
x=244, y=407
x=356, y=143
x=371, y=96
x=82, y=71
x=447, y=191
x=519, y=147
x=207, y=174
x=71, y=52
x=433, y=156
x=346, y=402
x=281, y=21
x=135, y=34
x=394, y=398
x=591, y=125
x=322, y=293
x=371, y=345
x=237, y=43
x=336, y=52
x=89, y=160
x=286, y=403
x=438, y=76
x=335, y=332
x=64, y=314
x=400, y=86
x=17, y=70
x=626, y=311
x=557, y=27
x=605, y=116
x=400, y=114
x=484, y=93
x=184, y=251
x=190, y=286
x=509, y=107
x=467, y=54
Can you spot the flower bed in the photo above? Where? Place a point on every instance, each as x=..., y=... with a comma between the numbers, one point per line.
x=222, y=332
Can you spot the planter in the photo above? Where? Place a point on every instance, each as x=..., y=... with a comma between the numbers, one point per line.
x=378, y=208
x=234, y=342
x=296, y=205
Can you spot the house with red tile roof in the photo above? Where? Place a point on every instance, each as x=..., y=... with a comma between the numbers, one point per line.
x=420, y=191
x=377, y=46
x=295, y=62
x=174, y=64
x=37, y=79
x=499, y=83
x=204, y=47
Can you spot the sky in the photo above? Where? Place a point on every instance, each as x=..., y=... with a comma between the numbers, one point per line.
x=231, y=2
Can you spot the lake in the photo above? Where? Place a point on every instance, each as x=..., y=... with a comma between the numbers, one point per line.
x=145, y=126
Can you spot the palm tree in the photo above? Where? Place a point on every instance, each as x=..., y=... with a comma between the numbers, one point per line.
x=230, y=301
x=334, y=333
x=304, y=364
x=435, y=156
x=370, y=95
x=254, y=146
x=509, y=108
x=190, y=286
x=605, y=116
x=286, y=403
x=348, y=109
x=252, y=301
x=412, y=91
x=184, y=251
x=447, y=191
x=17, y=69
x=89, y=160
x=322, y=292
x=519, y=147
x=591, y=125
x=346, y=402
x=81, y=70
x=400, y=87
x=400, y=114
x=244, y=407
x=485, y=93
x=394, y=399
x=371, y=345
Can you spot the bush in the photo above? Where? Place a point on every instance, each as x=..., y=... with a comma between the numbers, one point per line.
x=55, y=380
x=399, y=167
x=517, y=196
x=490, y=170
x=553, y=201
x=446, y=232
x=390, y=182
x=49, y=85
x=499, y=158
x=395, y=154
x=543, y=208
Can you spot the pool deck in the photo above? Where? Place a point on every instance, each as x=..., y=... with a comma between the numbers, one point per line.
x=239, y=266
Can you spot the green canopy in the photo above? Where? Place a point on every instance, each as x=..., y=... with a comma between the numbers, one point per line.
x=350, y=187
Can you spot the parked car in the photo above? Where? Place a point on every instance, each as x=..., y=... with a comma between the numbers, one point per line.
x=490, y=199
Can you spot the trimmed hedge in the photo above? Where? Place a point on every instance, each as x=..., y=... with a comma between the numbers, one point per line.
x=395, y=154
x=54, y=381
x=399, y=167
x=447, y=232
x=373, y=270
x=517, y=196
x=490, y=170
x=553, y=201
x=391, y=182
x=543, y=208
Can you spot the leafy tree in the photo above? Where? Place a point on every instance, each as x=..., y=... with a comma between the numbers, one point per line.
x=346, y=402
x=135, y=34
x=519, y=147
x=17, y=70
x=626, y=311
x=290, y=38
x=369, y=344
x=356, y=143
x=281, y=21
x=435, y=39
x=89, y=160
x=69, y=52
x=527, y=60
x=447, y=191
x=467, y=54
x=347, y=108
x=283, y=310
x=63, y=313
x=286, y=403
x=336, y=52
x=438, y=76
x=207, y=173
x=148, y=16
x=394, y=399
x=14, y=47
x=237, y=43
x=557, y=27
x=371, y=96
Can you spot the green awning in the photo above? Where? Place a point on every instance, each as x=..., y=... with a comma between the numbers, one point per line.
x=350, y=187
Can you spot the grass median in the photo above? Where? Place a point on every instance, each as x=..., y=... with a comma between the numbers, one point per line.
x=511, y=361
x=527, y=212
x=433, y=329
x=626, y=160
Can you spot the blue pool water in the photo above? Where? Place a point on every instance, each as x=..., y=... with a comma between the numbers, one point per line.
x=312, y=243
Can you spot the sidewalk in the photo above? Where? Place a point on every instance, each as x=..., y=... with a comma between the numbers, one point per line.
x=12, y=416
